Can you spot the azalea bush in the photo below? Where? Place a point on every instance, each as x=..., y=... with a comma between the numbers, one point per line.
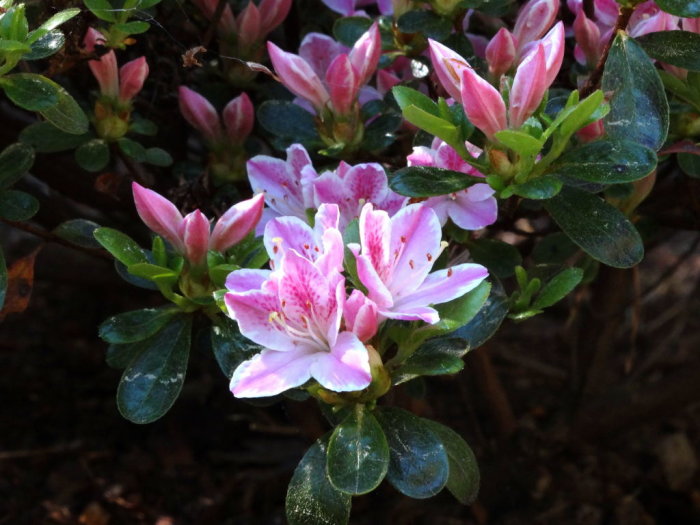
x=333, y=207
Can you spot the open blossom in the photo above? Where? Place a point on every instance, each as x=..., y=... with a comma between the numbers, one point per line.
x=238, y=116
x=349, y=7
x=470, y=209
x=190, y=235
x=394, y=259
x=296, y=313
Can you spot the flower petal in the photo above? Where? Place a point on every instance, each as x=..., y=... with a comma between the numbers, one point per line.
x=345, y=368
x=237, y=222
x=256, y=312
x=445, y=285
x=270, y=373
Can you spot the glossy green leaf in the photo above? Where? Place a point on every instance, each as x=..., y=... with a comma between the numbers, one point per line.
x=358, y=453
x=424, y=181
x=30, y=91
x=119, y=356
x=499, y=257
x=487, y=320
x=153, y=272
x=520, y=142
x=78, y=231
x=13, y=23
x=47, y=45
x=540, y=188
x=92, y=155
x=158, y=157
x=230, y=347
x=432, y=124
x=15, y=161
x=554, y=248
x=684, y=8
x=584, y=112
x=17, y=205
x=59, y=18
x=67, y=114
x=349, y=29
x=13, y=46
x=438, y=356
x=638, y=107
x=137, y=325
x=288, y=121
x=3, y=278
x=428, y=23
x=406, y=97
x=599, y=229
x=153, y=380
x=121, y=246
x=380, y=133
x=678, y=48
x=464, y=478
x=690, y=164
x=418, y=463
x=102, y=9
x=132, y=149
x=311, y=499
x=558, y=287
x=44, y=137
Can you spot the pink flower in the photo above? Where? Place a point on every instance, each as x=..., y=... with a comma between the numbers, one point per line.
x=238, y=116
x=394, y=260
x=190, y=235
x=349, y=7
x=296, y=313
x=470, y=209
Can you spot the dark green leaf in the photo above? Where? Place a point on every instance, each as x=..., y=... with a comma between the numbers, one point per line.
x=137, y=325
x=66, y=115
x=690, y=164
x=92, y=155
x=119, y=356
x=133, y=28
x=559, y=287
x=47, y=138
x=311, y=499
x=288, y=121
x=30, y=91
x=121, y=246
x=15, y=161
x=610, y=161
x=499, y=257
x=428, y=23
x=349, y=29
x=418, y=463
x=424, y=181
x=684, y=8
x=464, y=478
x=3, y=278
x=153, y=272
x=132, y=149
x=638, y=107
x=380, y=133
x=599, y=229
x=678, y=48
x=480, y=329
x=554, y=248
x=78, y=231
x=230, y=347
x=438, y=356
x=17, y=205
x=158, y=157
x=153, y=380
x=102, y=9
x=358, y=453
x=46, y=46
x=142, y=126
x=544, y=187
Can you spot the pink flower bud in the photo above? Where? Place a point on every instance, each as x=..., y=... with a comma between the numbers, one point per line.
x=553, y=44
x=691, y=24
x=227, y=22
x=386, y=80
x=533, y=21
x=199, y=113
x=159, y=214
x=360, y=314
x=364, y=55
x=236, y=223
x=500, y=53
x=482, y=103
x=606, y=12
x=297, y=76
x=249, y=25
x=342, y=79
x=272, y=14
x=194, y=232
x=103, y=69
x=239, y=118
x=448, y=67
x=132, y=75
x=592, y=131
x=528, y=88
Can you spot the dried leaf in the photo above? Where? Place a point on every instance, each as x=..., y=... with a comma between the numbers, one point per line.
x=20, y=277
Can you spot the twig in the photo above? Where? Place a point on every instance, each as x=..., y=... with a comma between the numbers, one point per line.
x=216, y=17
x=30, y=453
x=51, y=237
x=593, y=81
x=672, y=269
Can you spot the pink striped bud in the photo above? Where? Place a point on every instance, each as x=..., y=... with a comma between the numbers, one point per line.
x=587, y=37
x=272, y=14
x=533, y=21
x=364, y=55
x=691, y=24
x=553, y=43
x=103, y=69
x=342, y=79
x=227, y=22
x=194, y=232
x=591, y=132
x=298, y=76
x=159, y=214
x=529, y=86
x=449, y=67
x=239, y=118
x=500, y=53
x=248, y=25
x=132, y=75
x=199, y=113
x=236, y=223
x=482, y=103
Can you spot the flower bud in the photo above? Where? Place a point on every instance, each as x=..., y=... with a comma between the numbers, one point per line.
x=248, y=24
x=587, y=37
x=298, y=77
x=482, y=103
x=159, y=214
x=533, y=21
x=132, y=75
x=199, y=113
x=448, y=67
x=272, y=14
x=104, y=69
x=239, y=118
x=236, y=223
x=365, y=54
x=194, y=232
x=500, y=52
x=341, y=78
x=529, y=86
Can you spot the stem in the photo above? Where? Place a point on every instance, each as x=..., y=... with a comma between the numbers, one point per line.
x=593, y=81
x=216, y=17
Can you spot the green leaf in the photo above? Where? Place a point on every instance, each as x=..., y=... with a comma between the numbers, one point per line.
x=406, y=97
x=288, y=121
x=92, y=155
x=418, y=463
x=520, y=142
x=46, y=45
x=3, y=278
x=601, y=230
x=153, y=380
x=499, y=257
x=358, y=453
x=78, y=231
x=435, y=357
x=158, y=157
x=15, y=161
x=66, y=115
x=349, y=29
x=119, y=356
x=102, y=9
x=609, y=161
x=559, y=287
x=464, y=478
x=132, y=28
x=432, y=124
x=132, y=149
x=540, y=188
x=60, y=18
x=428, y=23
x=137, y=325
x=678, y=48
x=311, y=499
x=555, y=248
x=638, y=108
x=30, y=91
x=379, y=134
x=17, y=205
x=690, y=164
x=121, y=246
x=570, y=120
x=230, y=347
x=13, y=46
x=480, y=329
x=424, y=181
x=47, y=138
x=153, y=272
x=142, y=126
x=684, y=8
